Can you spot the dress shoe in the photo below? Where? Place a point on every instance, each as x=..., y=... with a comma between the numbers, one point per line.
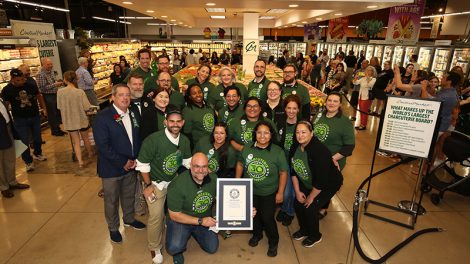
x=59, y=133
x=19, y=186
x=7, y=193
x=115, y=237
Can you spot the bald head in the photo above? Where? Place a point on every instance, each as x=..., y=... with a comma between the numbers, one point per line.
x=46, y=64
x=199, y=167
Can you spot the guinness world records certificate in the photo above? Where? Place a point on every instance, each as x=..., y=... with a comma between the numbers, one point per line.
x=234, y=204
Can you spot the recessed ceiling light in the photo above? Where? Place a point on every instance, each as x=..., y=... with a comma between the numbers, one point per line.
x=190, y=27
x=338, y=14
x=181, y=23
x=372, y=6
x=164, y=16
x=155, y=24
x=149, y=11
x=185, y=25
x=127, y=3
x=218, y=17
x=304, y=22
x=267, y=17
x=319, y=18
x=215, y=10
x=210, y=4
x=440, y=9
x=293, y=5
x=172, y=20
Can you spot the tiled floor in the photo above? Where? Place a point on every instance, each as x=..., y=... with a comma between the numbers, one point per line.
x=60, y=220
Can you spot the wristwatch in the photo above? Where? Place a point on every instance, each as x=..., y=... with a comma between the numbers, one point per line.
x=199, y=221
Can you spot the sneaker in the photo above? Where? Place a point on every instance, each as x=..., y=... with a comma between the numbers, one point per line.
x=8, y=193
x=39, y=157
x=19, y=186
x=178, y=259
x=29, y=166
x=287, y=220
x=253, y=242
x=272, y=251
x=281, y=215
x=136, y=225
x=322, y=215
x=115, y=237
x=298, y=235
x=309, y=242
x=157, y=257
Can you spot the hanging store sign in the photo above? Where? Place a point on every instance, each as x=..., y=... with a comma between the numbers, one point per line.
x=337, y=29
x=250, y=46
x=404, y=23
x=44, y=35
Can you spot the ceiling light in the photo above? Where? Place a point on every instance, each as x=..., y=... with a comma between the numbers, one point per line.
x=215, y=10
x=164, y=16
x=440, y=10
x=286, y=26
x=293, y=5
x=319, y=18
x=304, y=22
x=111, y=20
x=372, y=6
x=218, y=17
x=267, y=17
x=172, y=20
x=155, y=24
x=294, y=25
x=190, y=27
x=181, y=23
x=149, y=11
x=210, y=4
x=127, y=3
x=338, y=14
x=277, y=11
x=185, y=25
x=130, y=17
x=38, y=5
x=448, y=14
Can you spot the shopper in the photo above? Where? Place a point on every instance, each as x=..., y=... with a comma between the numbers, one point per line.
x=191, y=58
x=307, y=68
x=316, y=74
x=379, y=88
x=236, y=57
x=8, y=181
x=365, y=89
x=362, y=57
x=355, y=92
x=176, y=61
x=199, y=117
x=315, y=178
x=291, y=86
x=203, y=77
x=117, y=76
x=186, y=219
x=48, y=86
x=299, y=63
x=431, y=88
x=283, y=60
x=154, y=116
x=215, y=98
x=73, y=104
x=117, y=151
x=91, y=63
x=273, y=109
x=224, y=58
x=143, y=69
x=261, y=162
x=329, y=73
x=258, y=86
x=214, y=58
x=324, y=58
x=161, y=156
x=126, y=68
x=24, y=107
x=337, y=80
x=413, y=89
x=85, y=81
x=233, y=109
x=334, y=130
x=350, y=61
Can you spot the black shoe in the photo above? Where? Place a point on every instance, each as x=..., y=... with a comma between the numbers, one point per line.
x=281, y=215
x=287, y=220
x=272, y=251
x=8, y=193
x=19, y=186
x=298, y=235
x=253, y=242
x=322, y=215
x=115, y=237
x=310, y=242
x=136, y=225
x=59, y=133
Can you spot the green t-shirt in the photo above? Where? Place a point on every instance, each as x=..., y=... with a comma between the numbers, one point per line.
x=297, y=89
x=149, y=78
x=206, y=86
x=153, y=84
x=177, y=99
x=263, y=166
x=198, y=122
x=186, y=196
x=216, y=98
x=259, y=90
x=164, y=157
x=288, y=135
x=300, y=167
x=241, y=130
x=335, y=132
x=213, y=155
x=225, y=115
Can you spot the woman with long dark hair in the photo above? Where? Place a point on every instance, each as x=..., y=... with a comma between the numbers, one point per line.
x=117, y=76
x=154, y=116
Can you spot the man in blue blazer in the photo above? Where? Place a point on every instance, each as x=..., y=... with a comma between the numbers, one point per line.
x=116, y=134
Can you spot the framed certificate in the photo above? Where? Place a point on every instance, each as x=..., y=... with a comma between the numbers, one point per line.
x=234, y=204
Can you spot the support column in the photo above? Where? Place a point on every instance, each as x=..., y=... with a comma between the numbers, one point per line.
x=250, y=41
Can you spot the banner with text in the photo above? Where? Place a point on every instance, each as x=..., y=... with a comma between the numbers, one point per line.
x=409, y=126
x=337, y=29
x=44, y=35
x=404, y=23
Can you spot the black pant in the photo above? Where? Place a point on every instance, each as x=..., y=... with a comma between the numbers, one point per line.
x=52, y=112
x=308, y=217
x=264, y=219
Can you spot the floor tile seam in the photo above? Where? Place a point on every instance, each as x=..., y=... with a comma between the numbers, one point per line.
x=293, y=244
x=71, y=196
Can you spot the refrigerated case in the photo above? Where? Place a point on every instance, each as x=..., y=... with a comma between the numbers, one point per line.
x=441, y=61
x=276, y=48
x=425, y=57
x=397, y=55
x=379, y=51
x=369, y=52
x=388, y=52
x=461, y=57
x=409, y=50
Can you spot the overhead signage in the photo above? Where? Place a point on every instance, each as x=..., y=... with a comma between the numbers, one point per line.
x=443, y=42
x=337, y=29
x=404, y=23
x=250, y=46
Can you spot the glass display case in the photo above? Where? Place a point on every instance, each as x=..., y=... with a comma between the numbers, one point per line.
x=461, y=58
x=378, y=52
x=441, y=61
x=397, y=56
x=410, y=50
x=425, y=57
x=388, y=51
x=369, y=52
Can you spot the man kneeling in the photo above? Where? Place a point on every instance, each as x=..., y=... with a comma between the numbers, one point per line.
x=190, y=198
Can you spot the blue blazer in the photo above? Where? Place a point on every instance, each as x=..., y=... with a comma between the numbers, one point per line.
x=113, y=144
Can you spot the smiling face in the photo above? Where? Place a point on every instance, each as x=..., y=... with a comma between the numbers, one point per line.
x=196, y=95
x=164, y=81
x=409, y=69
x=232, y=98
x=202, y=74
x=163, y=64
x=122, y=98
x=199, y=167
x=274, y=91
x=253, y=109
x=226, y=77
x=259, y=68
x=303, y=134
x=434, y=82
x=333, y=102
x=174, y=123
x=144, y=60
x=220, y=135
x=162, y=100
x=292, y=110
x=289, y=74
x=263, y=136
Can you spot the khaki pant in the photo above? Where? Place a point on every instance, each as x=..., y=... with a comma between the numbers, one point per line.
x=156, y=220
x=7, y=165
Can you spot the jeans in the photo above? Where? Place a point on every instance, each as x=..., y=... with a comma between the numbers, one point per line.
x=289, y=197
x=177, y=236
x=52, y=112
x=26, y=127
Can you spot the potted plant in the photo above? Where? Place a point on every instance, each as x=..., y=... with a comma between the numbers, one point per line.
x=370, y=28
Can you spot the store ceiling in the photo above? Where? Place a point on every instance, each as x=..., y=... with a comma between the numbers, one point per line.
x=192, y=13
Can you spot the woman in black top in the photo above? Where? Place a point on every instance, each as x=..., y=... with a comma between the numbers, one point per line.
x=378, y=90
x=117, y=76
x=273, y=107
x=154, y=116
x=214, y=58
x=315, y=178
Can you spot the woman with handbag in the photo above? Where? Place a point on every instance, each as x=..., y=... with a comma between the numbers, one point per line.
x=365, y=94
